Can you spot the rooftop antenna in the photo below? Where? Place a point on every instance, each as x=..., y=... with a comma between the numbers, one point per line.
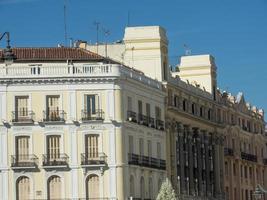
x=65, y=22
x=97, y=30
x=187, y=50
x=106, y=33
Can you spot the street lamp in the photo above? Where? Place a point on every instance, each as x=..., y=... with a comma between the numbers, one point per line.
x=8, y=56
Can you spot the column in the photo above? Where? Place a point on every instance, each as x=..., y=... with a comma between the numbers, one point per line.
x=199, y=162
x=207, y=160
x=182, y=159
x=221, y=159
x=190, y=162
x=217, y=166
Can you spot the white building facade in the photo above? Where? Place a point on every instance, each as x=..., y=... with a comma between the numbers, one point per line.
x=78, y=126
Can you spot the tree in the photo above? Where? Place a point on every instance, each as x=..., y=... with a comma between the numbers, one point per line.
x=166, y=191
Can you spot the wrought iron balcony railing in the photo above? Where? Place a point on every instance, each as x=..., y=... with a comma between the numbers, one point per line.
x=54, y=116
x=55, y=160
x=159, y=124
x=146, y=161
x=25, y=161
x=87, y=159
x=24, y=116
x=131, y=116
x=249, y=157
x=228, y=152
x=142, y=119
x=151, y=122
x=89, y=116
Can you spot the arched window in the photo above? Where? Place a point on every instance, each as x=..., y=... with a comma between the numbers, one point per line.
x=92, y=187
x=23, y=188
x=142, y=188
x=132, y=192
x=150, y=188
x=54, y=188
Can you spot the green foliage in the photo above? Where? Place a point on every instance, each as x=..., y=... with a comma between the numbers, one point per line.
x=166, y=191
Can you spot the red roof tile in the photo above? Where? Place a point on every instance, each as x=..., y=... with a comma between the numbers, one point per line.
x=53, y=54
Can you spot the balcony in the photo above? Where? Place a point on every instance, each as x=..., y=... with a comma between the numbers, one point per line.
x=131, y=116
x=28, y=161
x=88, y=160
x=146, y=161
x=55, y=160
x=54, y=116
x=248, y=157
x=142, y=119
x=159, y=124
x=228, y=152
x=151, y=122
x=92, y=116
x=23, y=117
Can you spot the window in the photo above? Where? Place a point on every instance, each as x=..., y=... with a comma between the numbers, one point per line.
x=233, y=144
x=176, y=101
x=234, y=169
x=92, y=187
x=53, y=147
x=23, y=188
x=52, y=108
x=141, y=146
x=22, y=148
x=158, y=150
x=158, y=113
x=91, y=146
x=21, y=108
x=91, y=105
x=142, y=188
x=209, y=114
x=184, y=105
x=149, y=148
x=129, y=103
x=193, y=108
x=54, y=188
x=148, y=110
x=132, y=191
x=150, y=185
x=140, y=107
x=131, y=144
x=226, y=168
x=201, y=111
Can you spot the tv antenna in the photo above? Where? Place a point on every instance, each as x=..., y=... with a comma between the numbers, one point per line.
x=187, y=50
x=106, y=34
x=65, y=22
x=96, y=23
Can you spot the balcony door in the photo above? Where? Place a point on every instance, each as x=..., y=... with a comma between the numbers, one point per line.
x=54, y=188
x=91, y=146
x=23, y=188
x=52, y=108
x=21, y=108
x=22, y=148
x=92, y=187
x=53, y=147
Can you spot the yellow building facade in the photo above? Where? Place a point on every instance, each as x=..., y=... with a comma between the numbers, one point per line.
x=78, y=126
x=208, y=131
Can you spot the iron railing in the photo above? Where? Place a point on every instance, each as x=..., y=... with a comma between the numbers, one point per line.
x=146, y=161
x=23, y=116
x=24, y=161
x=88, y=159
x=249, y=157
x=142, y=119
x=54, y=115
x=131, y=116
x=96, y=115
x=151, y=122
x=54, y=160
x=159, y=124
x=228, y=152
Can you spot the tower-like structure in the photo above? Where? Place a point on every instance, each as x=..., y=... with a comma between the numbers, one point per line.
x=146, y=49
x=199, y=70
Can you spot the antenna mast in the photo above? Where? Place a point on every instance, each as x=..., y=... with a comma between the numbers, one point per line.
x=65, y=22
x=106, y=33
x=97, y=30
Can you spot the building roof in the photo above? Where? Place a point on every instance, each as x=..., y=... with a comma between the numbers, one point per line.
x=54, y=54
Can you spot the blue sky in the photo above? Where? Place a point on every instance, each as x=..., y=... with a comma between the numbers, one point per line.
x=235, y=32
